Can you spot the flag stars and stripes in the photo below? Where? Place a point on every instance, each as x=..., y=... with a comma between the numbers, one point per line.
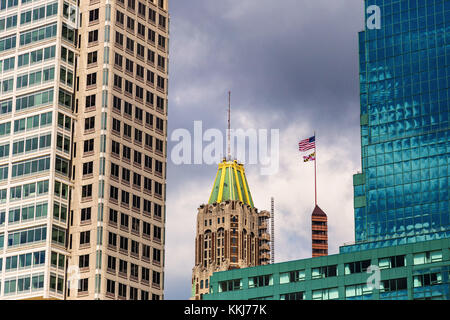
x=307, y=144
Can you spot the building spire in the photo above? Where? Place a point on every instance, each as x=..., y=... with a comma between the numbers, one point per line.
x=229, y=128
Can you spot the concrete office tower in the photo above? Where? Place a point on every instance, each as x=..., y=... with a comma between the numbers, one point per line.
x=319, y=233
x=83, y=144
x=231, y=232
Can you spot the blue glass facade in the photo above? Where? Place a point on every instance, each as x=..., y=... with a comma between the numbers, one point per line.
x=402, y=194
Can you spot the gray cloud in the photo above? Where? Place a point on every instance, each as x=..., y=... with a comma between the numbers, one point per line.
x=290, y=64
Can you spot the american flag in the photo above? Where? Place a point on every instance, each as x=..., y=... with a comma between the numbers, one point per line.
x=307, y=144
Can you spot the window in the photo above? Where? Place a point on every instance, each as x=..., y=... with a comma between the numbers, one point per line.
x=119, y=39
x=92, y=57
x=113, y=215
x=141, y=9
x=356, y=267
x=136, y=179
x=325, y=294
x=90, y=101
x=117, y=103
x=130, y=45
x=324, y=272
x=136, y=202
x=85, y=237
x=135, y=225
x=293, y=296
x=130, y=23
x=129, y=87
x=156, y=278
x=115, y=148
x=84, y=261
x=157, y=210
x=137, y=157
x=124, y=243
x=292, y=276
x=126, y=153
x=119, y=17
x=151, y=35
x=93, y=15
x=158, y=188
x=161, y=62
x=89, y=123
x=425, y=280
x=88, y=145
x=110, y=287
x=141, y=30
x=114, y=193
x=260, y=281
x=161, y=41
x=152, y=15
x=156, y=233
x=85, y=214
x=427, y=257
x=88, y=168
x=134, y=247
x=91, y=79
x=112, y=239
x=86, y=191
x=162, y=21
x=230, y=285
x=116, y=125
x=159, y=145
x=114, y=170
x=112, y=263
x=138, y=136
x=124, y=219
x=125, y=198
x=93, y=36
x=140, y=51
x=393, y=285
x=392, y=262
x=357, y=290
x=118, y=60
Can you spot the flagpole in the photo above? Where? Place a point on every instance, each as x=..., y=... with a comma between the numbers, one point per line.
x=315, y=168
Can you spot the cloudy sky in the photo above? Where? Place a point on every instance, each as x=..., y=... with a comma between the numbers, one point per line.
x=291, y=65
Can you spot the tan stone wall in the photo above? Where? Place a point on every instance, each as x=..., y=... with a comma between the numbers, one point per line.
x=237, y=221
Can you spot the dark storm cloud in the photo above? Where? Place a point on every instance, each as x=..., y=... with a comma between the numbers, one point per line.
x=289, y=56
x=283, y=60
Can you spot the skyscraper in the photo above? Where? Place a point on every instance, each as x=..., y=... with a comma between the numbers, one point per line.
x=402, y=193
x=231, y=232
x=83, y=144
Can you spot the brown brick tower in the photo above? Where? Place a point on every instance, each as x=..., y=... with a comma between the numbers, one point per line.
x=319, y=233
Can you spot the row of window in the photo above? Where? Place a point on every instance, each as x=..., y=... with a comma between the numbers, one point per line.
x=116, y=264
x=124, y=243
x=112, y=287
x=125, y=222
x=24, y=261
x=24, y=284
x=26, y=213
x=119, y=105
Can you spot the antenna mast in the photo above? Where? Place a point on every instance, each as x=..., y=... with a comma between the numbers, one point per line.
x=229, y=127
x=272, y=230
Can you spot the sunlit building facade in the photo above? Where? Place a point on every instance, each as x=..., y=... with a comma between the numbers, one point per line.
x=83, y=113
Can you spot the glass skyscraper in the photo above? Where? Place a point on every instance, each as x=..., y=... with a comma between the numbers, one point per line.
x=402, y=194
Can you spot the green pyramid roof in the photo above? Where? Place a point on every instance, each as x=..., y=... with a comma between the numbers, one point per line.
x=231, y=184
